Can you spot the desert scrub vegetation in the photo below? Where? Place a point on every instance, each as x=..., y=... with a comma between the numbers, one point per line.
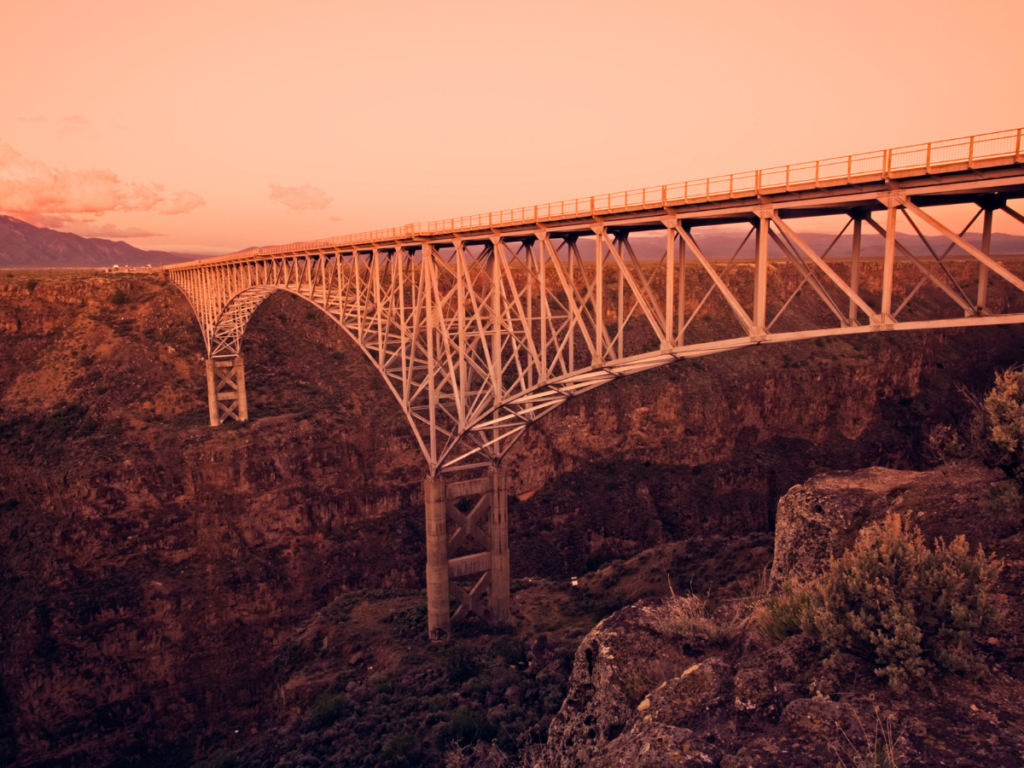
x=781, y=614
x=1004, y=411
x=905, y=608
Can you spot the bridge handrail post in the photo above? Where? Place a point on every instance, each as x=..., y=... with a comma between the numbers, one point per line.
x=1016, y=152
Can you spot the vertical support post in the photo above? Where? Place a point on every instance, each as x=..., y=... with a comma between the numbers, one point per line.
x=463, y=387
x=599, y=299
x=761, y=274
x=986, y=244
x=496, y=319
x=238, y=369
x=620, y=311
x=855, y=267
x=211, y=389
x=670, y=278
x=545, y=309
x=529, y=247
x=681, y=298
x=889, y=262
x=438, y=616
x=427, y=283
x=571, y=325
x=499, y=599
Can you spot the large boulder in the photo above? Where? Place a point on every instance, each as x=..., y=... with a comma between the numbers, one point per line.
x=823, y=517
x=820, y=519
x=618, y=663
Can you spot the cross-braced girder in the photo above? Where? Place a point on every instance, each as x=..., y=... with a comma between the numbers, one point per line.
x=480, y=330
x=481, y=326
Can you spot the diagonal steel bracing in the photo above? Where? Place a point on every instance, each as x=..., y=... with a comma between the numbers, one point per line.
x=482, y=325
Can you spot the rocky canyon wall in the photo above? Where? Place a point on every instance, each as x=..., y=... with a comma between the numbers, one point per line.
x=154, y=567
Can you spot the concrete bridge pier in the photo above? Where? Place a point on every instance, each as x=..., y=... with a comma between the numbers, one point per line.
x=479, y=521
x=225, y=385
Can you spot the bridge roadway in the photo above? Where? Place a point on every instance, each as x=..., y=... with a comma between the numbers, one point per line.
x=481, y=325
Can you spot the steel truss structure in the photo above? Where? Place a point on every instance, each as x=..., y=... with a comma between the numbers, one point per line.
x=482, y=325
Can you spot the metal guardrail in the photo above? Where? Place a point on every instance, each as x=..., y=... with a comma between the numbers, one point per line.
x=988, y=149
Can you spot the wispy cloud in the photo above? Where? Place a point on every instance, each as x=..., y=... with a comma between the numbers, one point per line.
x=180, y=202
x=304, y=198
x=55, y=197
x=109, y=231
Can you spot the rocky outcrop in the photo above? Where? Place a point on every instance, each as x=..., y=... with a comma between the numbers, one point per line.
x=623, y=658
x=742, y=700
x=821, y=518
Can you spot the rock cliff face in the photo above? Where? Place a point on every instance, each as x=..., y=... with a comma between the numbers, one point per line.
x=153, y=568
x=668, y=683
x=821, y=518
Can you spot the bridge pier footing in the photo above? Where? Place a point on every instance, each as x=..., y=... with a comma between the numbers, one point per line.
x=478, y=511
x=225, y=385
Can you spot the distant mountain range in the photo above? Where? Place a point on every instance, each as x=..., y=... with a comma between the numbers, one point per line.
x=722, y=244
x=23, y=245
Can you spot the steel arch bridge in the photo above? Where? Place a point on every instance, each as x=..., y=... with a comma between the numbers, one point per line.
x=481, y=325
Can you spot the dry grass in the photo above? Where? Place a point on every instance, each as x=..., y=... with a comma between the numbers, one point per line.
x=883, y=747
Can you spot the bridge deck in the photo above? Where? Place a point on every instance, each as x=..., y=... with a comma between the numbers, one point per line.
x=926, y=168
x=483, y=324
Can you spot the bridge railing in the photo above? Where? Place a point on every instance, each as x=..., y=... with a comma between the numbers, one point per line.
x=998, y=148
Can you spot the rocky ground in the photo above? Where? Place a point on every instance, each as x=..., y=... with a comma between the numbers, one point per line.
x=685, y=681
x=164, y=585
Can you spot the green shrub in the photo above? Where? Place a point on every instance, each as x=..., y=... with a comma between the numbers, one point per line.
x=464, y=727
x=1004, y=504
x=326, y=710
x=782, y=614
x=510, y=649
x=398, y=747
x=31, y=284
x=904, y=607
x=461, y=663
x=1004, y=407
x=117, y=298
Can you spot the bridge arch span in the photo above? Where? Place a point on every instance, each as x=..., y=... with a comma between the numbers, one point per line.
x=484, y=324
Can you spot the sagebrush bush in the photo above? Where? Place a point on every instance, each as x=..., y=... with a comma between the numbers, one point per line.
x=782, y=614
x=1004, y=409
x=904, y=607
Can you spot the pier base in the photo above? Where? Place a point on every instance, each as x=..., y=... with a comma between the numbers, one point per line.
x=483, y=528
x=225, y=383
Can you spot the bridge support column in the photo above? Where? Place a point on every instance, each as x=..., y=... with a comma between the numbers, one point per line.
x=225, y=385
x=499, y=593
x=438, y=618
x=485, y=524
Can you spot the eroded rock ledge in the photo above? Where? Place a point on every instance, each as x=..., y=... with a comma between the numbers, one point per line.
x=653, y=686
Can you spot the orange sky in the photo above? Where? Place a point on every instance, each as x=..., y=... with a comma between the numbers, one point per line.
x=219, y=125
